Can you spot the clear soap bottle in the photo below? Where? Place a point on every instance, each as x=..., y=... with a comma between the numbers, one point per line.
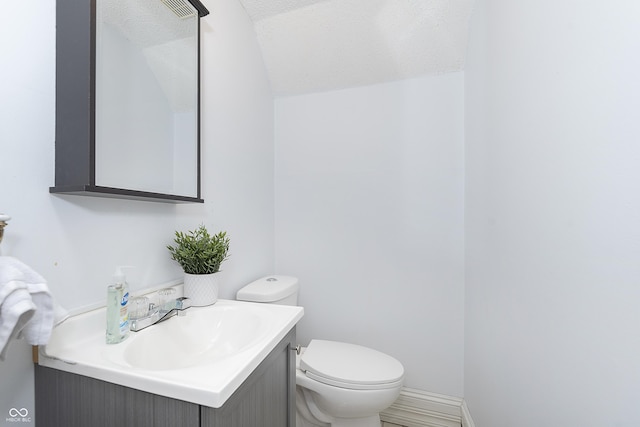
x=117, y=309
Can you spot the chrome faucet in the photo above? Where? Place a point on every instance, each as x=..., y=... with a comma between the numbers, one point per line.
x=156, y=314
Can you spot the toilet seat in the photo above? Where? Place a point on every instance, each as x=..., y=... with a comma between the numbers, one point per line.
x=350, y=366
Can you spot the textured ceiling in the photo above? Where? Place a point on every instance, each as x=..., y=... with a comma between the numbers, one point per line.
x=168, y=43
x=146, y=22
x=318, y=45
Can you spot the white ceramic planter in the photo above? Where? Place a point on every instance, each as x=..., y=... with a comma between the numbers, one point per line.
x=201, y=289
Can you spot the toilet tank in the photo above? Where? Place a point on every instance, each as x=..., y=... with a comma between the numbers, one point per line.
x=272, y=290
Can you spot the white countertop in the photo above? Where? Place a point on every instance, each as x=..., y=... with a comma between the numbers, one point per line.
x=207, y=375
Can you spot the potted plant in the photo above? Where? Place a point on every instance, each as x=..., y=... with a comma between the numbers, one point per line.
x=200, y=256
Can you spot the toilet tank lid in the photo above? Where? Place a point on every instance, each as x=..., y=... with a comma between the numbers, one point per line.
x=268, y=289
x=343, y=363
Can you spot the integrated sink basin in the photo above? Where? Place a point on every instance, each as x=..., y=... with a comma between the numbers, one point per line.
x=201, y=357
x=203, y=336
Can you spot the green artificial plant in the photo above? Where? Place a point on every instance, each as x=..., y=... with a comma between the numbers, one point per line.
x=198, y=252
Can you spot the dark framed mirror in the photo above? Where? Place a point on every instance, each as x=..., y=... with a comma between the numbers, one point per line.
x=127, y=99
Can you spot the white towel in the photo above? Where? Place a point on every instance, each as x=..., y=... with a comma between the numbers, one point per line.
x=16, y=310
x=35, y=320
x=60, y=314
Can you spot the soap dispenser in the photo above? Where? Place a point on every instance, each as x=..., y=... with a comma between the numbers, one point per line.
x=117, y=308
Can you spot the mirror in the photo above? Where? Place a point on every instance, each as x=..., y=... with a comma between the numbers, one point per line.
x=147, y=96
x=127, y=99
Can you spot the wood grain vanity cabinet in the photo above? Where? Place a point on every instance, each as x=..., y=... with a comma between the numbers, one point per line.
x=265, y=399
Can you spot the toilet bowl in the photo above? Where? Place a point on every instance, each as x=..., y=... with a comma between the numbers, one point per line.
x=337, y=384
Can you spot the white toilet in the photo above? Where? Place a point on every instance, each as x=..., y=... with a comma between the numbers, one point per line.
x=337, y=384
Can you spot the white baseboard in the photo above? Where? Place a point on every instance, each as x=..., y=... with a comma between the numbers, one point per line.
x=466, y=416
x=417, y=408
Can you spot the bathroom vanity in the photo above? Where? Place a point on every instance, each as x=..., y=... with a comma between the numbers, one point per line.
x=266, y=398
x=245, y=381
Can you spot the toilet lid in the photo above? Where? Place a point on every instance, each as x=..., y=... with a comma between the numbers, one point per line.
x=350, y=366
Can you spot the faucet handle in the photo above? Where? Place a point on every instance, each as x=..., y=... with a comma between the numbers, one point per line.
x=182, y=303
x=140, y=307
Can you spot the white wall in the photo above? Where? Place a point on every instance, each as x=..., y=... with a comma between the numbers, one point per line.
x=369, y=205
x=237, y=146
x=553, y=214
x=75, y=242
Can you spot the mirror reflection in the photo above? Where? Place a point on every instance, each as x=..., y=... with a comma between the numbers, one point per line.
x=147, y=96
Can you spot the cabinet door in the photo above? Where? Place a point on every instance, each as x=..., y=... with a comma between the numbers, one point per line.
x=70, y=400
x=266, y=398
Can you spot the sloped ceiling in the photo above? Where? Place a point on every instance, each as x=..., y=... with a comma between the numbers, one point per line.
x=319, y=45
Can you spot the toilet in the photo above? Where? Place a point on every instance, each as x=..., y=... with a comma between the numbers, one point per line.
x=337, y=384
